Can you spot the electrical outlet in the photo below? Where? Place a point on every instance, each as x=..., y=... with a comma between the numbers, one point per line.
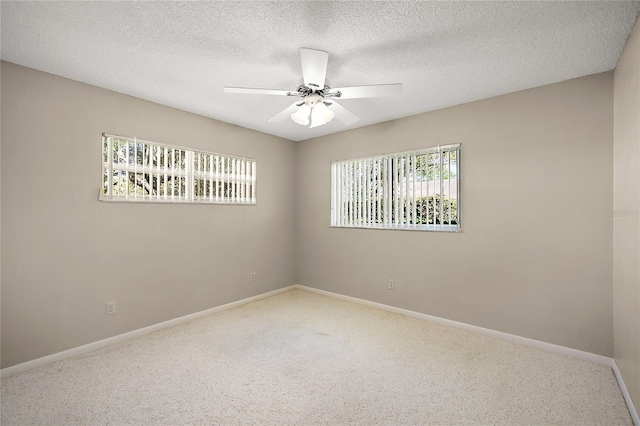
x=110, y=308
x=392, y=284
x=253, y=277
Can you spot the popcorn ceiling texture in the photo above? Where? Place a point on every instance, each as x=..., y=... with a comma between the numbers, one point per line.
x=182, y=54
x=302, y=358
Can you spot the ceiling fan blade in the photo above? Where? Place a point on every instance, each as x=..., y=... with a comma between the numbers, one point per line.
x=341, y=113
x=374, y=91
x=314, y=67
x=250, y=91
x=285, y=113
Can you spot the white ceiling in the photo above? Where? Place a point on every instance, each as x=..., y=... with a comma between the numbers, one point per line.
x=182, y=54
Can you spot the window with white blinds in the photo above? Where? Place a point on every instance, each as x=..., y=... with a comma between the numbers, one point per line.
x=142, y=171
x=415, y=190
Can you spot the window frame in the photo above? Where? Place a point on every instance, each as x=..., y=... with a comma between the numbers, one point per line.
x=385, y=211
x=189, y=173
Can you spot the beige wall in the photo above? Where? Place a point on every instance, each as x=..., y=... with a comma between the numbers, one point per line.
x=64, y=253
x=626, y=253
x=534, y=258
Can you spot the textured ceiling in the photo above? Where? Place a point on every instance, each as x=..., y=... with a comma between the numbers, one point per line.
x=182, y=54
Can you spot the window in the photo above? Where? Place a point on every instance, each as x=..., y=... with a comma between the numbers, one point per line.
x=143, y=171
x=415, y=190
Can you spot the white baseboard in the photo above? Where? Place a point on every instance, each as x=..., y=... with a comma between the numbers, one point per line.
x=625, y=393
x=19, y=368
x=15, y=369
x=588, y=356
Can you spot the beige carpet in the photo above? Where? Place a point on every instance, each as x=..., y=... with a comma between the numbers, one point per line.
x=301, y=358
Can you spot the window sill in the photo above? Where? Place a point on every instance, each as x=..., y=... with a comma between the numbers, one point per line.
x=429, y=228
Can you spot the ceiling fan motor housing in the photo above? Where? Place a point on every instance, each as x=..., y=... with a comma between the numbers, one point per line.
x=305, y=91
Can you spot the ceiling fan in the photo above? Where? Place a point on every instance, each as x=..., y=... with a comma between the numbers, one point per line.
x=318, y=105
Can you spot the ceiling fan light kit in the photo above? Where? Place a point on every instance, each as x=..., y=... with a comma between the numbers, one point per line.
x=315, y=109
x=320, y=115
x=302, y=115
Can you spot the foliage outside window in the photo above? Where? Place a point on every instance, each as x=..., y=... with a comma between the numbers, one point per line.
x=415, y=190
x=143, y=171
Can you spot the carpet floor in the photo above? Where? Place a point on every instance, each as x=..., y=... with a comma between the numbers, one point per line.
x=302, y=358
